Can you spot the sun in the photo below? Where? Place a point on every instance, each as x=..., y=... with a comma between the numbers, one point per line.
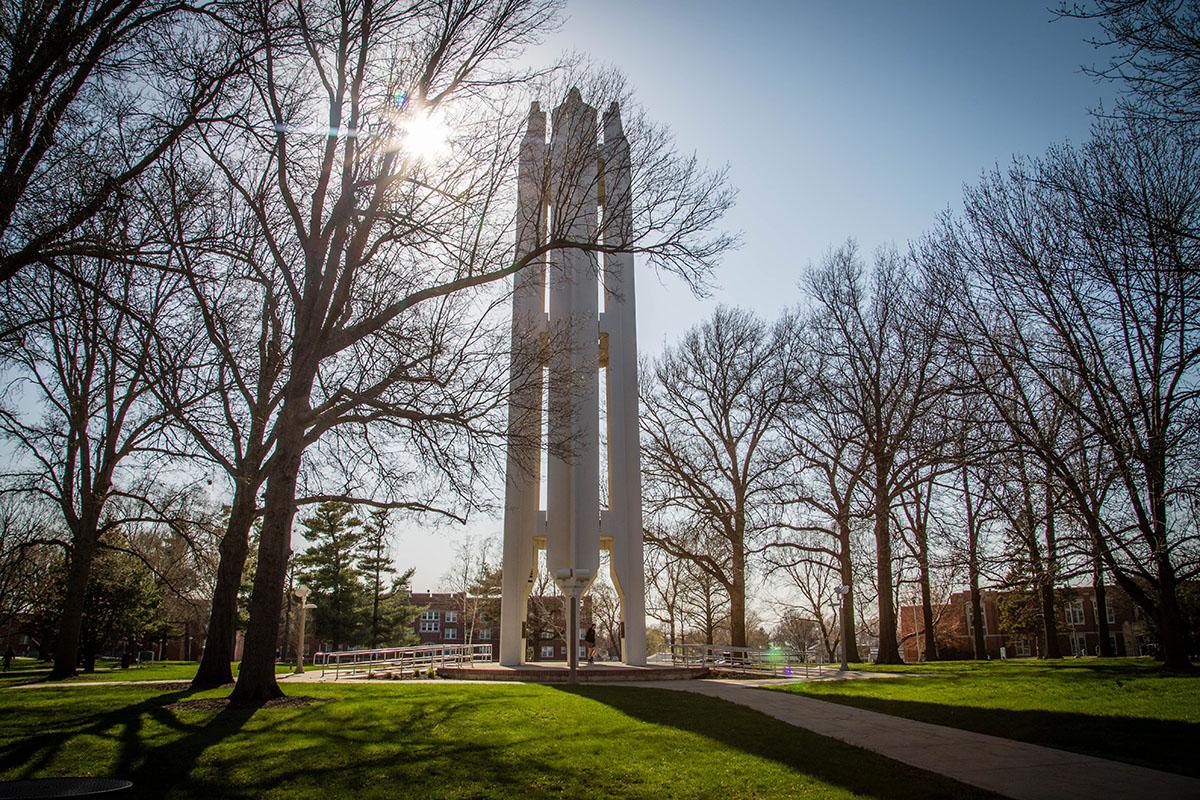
x=424, y=135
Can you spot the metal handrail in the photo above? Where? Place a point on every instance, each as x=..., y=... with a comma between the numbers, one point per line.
x=403, y=659
x=775, y=661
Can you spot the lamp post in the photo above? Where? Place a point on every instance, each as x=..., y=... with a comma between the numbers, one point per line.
x=840, y=598
x=302, y=592
x=572, y=582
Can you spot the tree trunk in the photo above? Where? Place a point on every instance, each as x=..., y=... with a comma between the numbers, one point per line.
x=737, y=595
x=1049, y=619
x=977, y=622
x=89, y=656
x=256, y=677
x=889, y=648
x=1172, y=627
x=83, y=551
x=737, y=615
x=1106, y=647
x=215, y=669
x=849, y=635
x=1046, y=585
x=927, y=624
x=1172, y=634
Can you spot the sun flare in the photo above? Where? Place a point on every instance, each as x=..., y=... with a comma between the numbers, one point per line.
x=425, y=136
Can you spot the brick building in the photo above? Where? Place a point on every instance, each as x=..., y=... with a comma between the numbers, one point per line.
x=1078, y=628
x=444, y=621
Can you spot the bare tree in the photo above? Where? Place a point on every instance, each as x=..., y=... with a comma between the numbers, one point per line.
x=473, y=563
x=91, y=94
x=815, y=578
x=972, y=452
x=24, y=536
x=606, y=615
x=79, y=407
x=664, y=574
x=1078, y=278
x=880, y=333
x=831, y=465
x=712, y=413
x=705, y=602
x=1157, y=44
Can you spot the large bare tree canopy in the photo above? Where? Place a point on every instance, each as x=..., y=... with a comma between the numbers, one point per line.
x=1082, y=304
x=91, y=94
x=1157, y=54
x=712, y=417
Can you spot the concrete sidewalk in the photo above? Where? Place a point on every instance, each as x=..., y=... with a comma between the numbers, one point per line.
x=1015, y=769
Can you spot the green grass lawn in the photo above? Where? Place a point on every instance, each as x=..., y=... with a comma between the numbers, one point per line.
x=440, y=741
x=1123, y=709
x=28, y=670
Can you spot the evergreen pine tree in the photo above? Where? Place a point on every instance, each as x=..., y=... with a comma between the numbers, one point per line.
x=375, y=564
x=328, y=567
x=397, y=613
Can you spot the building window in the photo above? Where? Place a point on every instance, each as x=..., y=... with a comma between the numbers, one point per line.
x=451, y=633
x=451, y=616
x=1079, y=645
x=427, y=616
x=971, y=619
x=1022, y=647
x=1075, y=612
x=1108, y=610
x=430, y=626
x=547, y=634
x=547, y=651
x=485, y=633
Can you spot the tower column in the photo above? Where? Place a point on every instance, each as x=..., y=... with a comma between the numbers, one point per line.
x=573, y=486
x=523, y=469
x=624, y=454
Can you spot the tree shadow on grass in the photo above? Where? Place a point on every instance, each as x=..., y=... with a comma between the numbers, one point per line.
x=30, y=755
x=1160, y=744
x=397, y=752
x=757, y=734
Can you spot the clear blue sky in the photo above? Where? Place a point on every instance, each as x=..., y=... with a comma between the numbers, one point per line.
x=837, y=119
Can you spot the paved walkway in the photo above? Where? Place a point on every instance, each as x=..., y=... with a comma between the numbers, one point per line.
x=1015, y=769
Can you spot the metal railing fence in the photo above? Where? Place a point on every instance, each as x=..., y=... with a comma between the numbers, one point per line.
x=404, y=660
x=773, y=661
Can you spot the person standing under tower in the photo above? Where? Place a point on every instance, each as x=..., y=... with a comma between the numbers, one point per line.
x=590, y=638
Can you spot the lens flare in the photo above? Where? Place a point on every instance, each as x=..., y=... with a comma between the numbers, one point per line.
x=425, y=136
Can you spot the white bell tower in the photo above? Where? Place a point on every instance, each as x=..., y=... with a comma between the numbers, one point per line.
x=578, y=184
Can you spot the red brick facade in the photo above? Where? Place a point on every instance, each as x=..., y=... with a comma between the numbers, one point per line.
x=1078, y=629
x=445, y=622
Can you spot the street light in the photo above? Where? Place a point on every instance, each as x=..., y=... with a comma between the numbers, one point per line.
x=302, y=592
x=572, y=582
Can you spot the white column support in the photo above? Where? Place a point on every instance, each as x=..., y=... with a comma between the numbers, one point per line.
x=523, y=470
x=624, y=455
